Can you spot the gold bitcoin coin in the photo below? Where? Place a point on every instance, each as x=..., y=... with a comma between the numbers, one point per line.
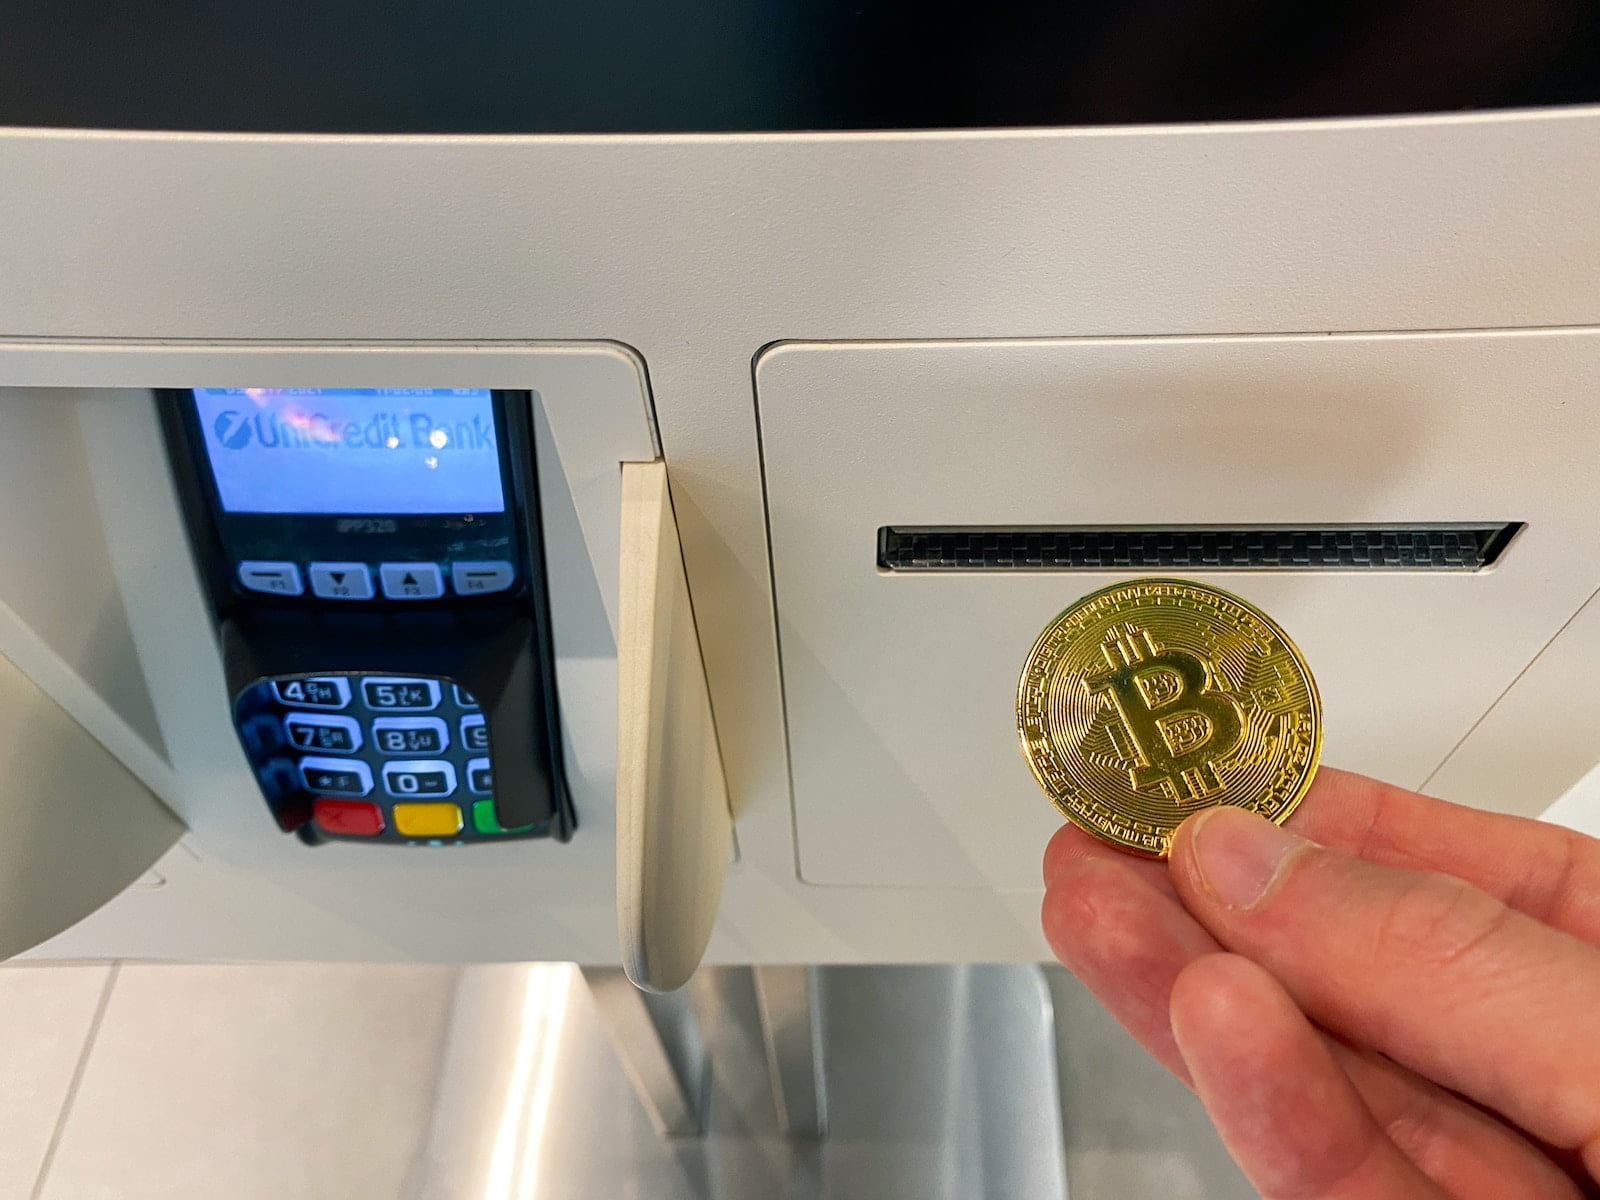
x=1147, y=701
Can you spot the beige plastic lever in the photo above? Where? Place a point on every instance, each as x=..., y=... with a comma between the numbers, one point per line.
x=674, y=830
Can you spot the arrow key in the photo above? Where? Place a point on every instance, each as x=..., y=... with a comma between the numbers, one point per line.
x=341, y=581
x=411, y=581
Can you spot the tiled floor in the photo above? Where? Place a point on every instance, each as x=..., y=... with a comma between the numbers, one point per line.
x=243, y=1082
x=48, y=1015
x=233, y=1083
x=319, y=1082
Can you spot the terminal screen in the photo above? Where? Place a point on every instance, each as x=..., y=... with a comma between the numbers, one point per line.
x=352, y=450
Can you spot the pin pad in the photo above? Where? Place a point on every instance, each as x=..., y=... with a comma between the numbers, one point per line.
x=375, y=564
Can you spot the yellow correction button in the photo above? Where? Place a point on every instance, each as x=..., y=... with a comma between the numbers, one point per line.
x=427, y=820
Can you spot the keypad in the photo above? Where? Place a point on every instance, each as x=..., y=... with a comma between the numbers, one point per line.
x=328, y=692
x=427, y=820
x=322, y=732
x=357, y=581
x=481, y=578
x=411, y=581
x=419, y=777
x=340, y=580
x=474, y=733
x=390, y=694
x=385, y=758
x=352, y=818
x=273, y=578
x=409, y=735
x=484, y=820
x=335, y=776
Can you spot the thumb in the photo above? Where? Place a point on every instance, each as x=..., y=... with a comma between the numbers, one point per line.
x=1424, y=967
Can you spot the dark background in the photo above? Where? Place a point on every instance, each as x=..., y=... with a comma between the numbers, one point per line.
x=660, y=65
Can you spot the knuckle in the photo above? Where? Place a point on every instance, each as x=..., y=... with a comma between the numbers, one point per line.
x=1441, y=923
x=1086, y=897
x=1071, y=916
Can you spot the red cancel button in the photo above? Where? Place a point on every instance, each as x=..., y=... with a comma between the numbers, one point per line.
x=348, y=816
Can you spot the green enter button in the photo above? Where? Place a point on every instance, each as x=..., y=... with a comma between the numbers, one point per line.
x=483, y=819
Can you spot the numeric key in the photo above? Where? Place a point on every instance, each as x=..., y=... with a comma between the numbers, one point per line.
x=323, y=732
x=388, y=694
x=419, y=777
x=323, y=691
x=409, y=735
x=474, y=733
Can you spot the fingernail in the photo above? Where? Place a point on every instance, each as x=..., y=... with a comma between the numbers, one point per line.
x=1239, y=854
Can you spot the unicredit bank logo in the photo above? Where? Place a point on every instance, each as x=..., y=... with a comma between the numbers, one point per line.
x=232, y=430
x=411, y=430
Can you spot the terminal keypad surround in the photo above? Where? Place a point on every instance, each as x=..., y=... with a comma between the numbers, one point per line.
x=374, y=758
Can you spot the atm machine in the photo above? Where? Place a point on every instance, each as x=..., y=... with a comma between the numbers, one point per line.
x=552, y=489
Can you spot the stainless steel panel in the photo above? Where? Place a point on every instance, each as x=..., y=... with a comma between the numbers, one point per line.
x=657, y=1041
x=791, y=1028
x=941, y=1086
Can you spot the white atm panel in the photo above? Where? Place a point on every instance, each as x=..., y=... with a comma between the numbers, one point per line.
x=900, y=687
x=239, y=888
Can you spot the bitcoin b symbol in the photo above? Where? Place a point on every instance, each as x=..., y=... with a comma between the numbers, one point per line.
x=1179, y=727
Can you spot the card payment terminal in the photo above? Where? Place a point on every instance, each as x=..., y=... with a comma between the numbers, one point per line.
x=375, y=565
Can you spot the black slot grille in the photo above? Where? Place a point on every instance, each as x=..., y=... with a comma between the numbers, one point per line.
x=1433, y=547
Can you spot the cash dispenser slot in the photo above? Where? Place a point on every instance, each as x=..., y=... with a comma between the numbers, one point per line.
x=1445, y=546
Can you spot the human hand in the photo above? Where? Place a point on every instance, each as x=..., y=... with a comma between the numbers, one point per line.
x=1405, y=1005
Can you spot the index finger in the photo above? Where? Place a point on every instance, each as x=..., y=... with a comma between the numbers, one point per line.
x=1550, y=873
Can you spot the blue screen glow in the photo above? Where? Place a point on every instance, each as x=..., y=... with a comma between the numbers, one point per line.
x=352, y=450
